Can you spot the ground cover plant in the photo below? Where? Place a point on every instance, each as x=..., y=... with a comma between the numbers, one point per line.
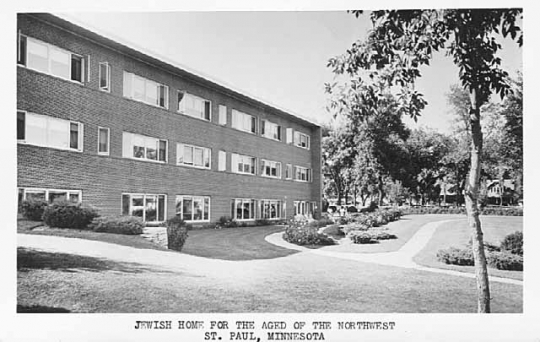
x=364, y=228
x=305, y=233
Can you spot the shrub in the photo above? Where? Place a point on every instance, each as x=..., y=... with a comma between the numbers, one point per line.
x=513, y=243
x=63, y=214
x=508, y=211
x=227, y=222
x=299, y=233
x=505, y=261
x=264, y=222
x=369, y=236
x=127, y=225
x=177, y=233
x=456, y=256
x=33, y=209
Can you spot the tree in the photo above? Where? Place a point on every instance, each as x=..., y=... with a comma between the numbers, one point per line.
x=402, y=41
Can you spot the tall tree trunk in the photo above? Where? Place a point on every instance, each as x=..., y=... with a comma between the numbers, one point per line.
x=471, y=203
x=381, y=190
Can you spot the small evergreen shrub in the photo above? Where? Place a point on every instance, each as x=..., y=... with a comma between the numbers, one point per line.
x=300, y=233
x=127, y=225
x=264, y=222
x=456, y=256
x=370, y=236
x=177, y=233
x=505, y=261
x=227, y=222
x=64, y=214
x=513, y=243
x=497, y=211
x=33, y=209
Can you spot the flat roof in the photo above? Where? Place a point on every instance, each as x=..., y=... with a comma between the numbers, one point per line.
x=164, y=63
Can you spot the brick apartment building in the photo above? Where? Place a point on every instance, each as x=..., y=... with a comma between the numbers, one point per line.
x=103, y=124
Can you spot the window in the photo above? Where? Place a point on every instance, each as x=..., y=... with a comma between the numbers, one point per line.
x=244, y=122
x=49, y=195
x=243, y=209
x=49, y=59
x=303, y=174
x=288, y=171
x=193, y=208
x=104, y=77
x=301, y=140
x=194, y=106
x=270, y=168
x=270, y=130
x=304, y=208
x=193, y=156
x=103, y=140
x=243, y=164
x=149, y=207
x=46, y=131
x=222, y=115
x=137, y=146
x=222, y=161
x=144, y=90
x=270, y=209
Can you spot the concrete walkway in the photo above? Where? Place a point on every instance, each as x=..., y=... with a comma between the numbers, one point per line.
x=400, y=258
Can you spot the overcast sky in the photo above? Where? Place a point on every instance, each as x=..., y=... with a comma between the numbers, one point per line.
x=279, y=57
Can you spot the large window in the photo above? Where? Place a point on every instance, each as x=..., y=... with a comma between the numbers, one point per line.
x=243, y=164
x=103, y=140
x=50, y=59
x=193, y=208
x=270, y=130
x=194, y=106
x=50, y=195
x=105, y=77
x=270, y=168
x=46, y=131
x=304, y=208
x=144, y=90
x=149, y=207
x=270, y=209
x=244, y=122
x=301, y=140
x=142, y=147
x=303, y=174
x=193, y=156
x=243, y=209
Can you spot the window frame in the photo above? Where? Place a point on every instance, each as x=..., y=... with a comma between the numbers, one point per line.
x=131, y=94
x=193, y=154
x=299, y=142
x=108, y=141
x=253, y=203
x=307, y=171
x=264, y=130
x=271, y=162
x=144, y=195
x=279, y=203
x=222, y=161
x=106, y=89
x=235, y=121
x=23, y=60
x=222, y=113
x=234, y=166
x=184, y=112
x=47, y=191
x=48, y=119
x=193, y=197
x=289, y=171
x=158, y=140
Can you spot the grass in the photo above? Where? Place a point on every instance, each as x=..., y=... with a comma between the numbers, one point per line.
x=299, y=283
x=456, y=234
x=241, y=243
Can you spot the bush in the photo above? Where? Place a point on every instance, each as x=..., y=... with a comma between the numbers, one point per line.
x=226, y=222
x=505, y=261
x=299, y=233
x=456, y=256
x=127, y=225
x=33, y=209
x=177, y=233
x=370, y=236
x=63, y=214
x=513, y=243
x=264, y=222
x=498, y=211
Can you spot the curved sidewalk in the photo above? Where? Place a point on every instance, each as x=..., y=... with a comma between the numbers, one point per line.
x=400, y=258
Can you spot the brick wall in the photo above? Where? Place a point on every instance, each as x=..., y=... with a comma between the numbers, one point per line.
x=104, y=178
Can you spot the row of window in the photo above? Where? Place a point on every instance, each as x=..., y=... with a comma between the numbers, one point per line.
x=47, y=131
x=153, y=207
x=49, y=59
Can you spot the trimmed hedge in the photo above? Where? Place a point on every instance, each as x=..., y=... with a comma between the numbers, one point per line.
x=33, y=209
x=513, y=243
x=127, y=225
x=497, y=211
x=300, y=233
x=370, y=236
x=505, y=261
x=177, y=233
x=456, y=256
x=464, y=257
x=63, y=214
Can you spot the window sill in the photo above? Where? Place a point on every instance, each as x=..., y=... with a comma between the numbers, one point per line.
x=194, y=117
x=146, y=160
x=51, y=75
x=146, y=103
x=51, y=147
x=195, y=167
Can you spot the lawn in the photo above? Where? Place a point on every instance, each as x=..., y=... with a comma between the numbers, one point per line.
x=303, y=282
x=457, y=234
x=241, y=243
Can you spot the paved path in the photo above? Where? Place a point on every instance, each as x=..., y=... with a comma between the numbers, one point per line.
x=400, y=258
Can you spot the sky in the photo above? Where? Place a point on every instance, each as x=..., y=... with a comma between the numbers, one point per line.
x=279, y=57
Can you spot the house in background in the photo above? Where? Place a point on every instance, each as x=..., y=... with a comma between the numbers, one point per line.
x=501, y=194
x=109, y=126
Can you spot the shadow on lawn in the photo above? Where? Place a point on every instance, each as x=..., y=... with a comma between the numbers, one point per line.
x=40, y=309
x=35, y=259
